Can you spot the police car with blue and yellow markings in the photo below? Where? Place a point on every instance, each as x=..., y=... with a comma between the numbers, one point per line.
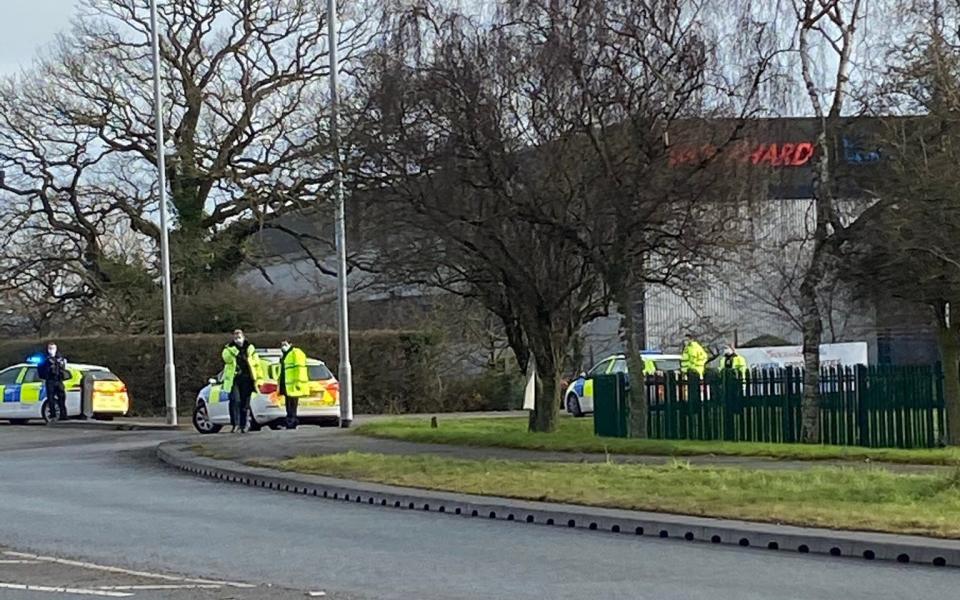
x=578, y=399
x=267, y=406
x=23, y=395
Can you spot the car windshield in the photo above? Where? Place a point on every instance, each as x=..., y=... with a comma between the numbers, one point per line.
x=600, y=369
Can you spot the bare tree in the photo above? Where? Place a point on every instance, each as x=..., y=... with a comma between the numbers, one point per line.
x=461, y=156
x=244, y=94
x=642, y=83
x=831, y=24
x=908, y=253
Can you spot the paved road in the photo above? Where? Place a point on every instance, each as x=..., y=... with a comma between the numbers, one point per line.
x=101, y=497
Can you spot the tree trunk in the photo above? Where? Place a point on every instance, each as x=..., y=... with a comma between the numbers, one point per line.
x=546, y=411
x=809, y=302
x=812, y=335
x=948, y=339
x=638, y=392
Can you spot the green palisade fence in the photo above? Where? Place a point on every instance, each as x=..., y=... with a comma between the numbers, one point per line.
x=879, y=406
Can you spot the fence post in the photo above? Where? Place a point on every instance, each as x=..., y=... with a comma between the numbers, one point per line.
x=939, y=408
x=863, y=426
x=667, y=416
x=729, y=386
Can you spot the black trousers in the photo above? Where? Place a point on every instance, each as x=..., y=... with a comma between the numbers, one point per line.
x=57, y=397
x=291, y=402
x=240, y=402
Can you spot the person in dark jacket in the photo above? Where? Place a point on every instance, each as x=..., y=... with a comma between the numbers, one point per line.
x=53, y=371
x=241, y=374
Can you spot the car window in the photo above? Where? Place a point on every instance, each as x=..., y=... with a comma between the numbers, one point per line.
x=101, y=375
x=31, y=376
x=667, y=364
x=9, y=376
x=600, y=369
x=619, y=366
x=319, y=373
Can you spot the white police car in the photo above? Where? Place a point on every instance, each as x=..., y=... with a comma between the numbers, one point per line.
x=267, y=408
x=578, y=399
x=23, y=396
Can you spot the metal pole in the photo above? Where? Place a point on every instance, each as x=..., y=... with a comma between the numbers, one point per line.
x=345, y=376
x=169, y=369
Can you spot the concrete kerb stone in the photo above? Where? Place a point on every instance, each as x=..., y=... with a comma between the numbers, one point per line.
x=116, y=425
x=849, y=544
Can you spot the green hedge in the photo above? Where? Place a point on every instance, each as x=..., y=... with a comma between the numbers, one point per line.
x=393, y=371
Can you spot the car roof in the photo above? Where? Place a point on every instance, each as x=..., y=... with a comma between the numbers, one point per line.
x=646, y=354
x=274, y=354
x=80, y=366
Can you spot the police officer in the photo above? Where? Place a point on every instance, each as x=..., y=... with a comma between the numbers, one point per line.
x=694, y=357
x=241, y=370
x=733, y=361
x=52, y=369
x=294, y=379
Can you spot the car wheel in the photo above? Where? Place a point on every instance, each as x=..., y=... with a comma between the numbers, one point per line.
x=275, y=426
x=252, y=424
x=46, y=411
x=573, y=405
x=202, y=421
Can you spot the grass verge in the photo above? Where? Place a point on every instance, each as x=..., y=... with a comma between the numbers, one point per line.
x=576, y=435
x=840, y=498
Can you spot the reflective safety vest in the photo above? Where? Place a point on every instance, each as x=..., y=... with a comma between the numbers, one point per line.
x=296, y=377
x=694, y=358
x=649, y=367
x=229, y=356
x=737, y=363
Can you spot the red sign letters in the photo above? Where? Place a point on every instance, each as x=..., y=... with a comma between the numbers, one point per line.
x=773, y=154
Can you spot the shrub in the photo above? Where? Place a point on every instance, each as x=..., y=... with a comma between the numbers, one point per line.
x=393, y=371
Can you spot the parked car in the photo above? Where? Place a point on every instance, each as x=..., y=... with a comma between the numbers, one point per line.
x=578, y=398
x=23, y=396
x=267, y=406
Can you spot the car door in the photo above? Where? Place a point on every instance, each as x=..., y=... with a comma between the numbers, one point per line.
x=10, y=393
x=32, y=392
x=586, y=399
x=218, y=401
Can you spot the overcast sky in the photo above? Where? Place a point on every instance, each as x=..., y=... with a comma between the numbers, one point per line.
x=28, y=25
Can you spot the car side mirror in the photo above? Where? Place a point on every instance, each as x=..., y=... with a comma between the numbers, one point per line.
x=211, y=381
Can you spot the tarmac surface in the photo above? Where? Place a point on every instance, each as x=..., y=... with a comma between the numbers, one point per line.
x=100, y=497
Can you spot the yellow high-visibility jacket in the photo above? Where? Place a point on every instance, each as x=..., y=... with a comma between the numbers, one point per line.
x=694, y=358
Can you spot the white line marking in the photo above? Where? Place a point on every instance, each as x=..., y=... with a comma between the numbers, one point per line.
x=108, y=569
x=62, y=590
x=160, y=586
x=19, y=562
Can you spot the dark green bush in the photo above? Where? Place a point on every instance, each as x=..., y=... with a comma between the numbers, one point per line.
x=393, y=371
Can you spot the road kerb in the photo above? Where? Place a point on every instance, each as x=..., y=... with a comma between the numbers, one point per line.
x=118, y=425
x=804, y=540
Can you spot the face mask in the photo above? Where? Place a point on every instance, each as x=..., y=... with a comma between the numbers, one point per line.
x=238, y=340
x=52, y=350
x=285, y=347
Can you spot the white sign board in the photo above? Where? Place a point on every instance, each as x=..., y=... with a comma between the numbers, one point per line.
x=530, y=391
x=831, y=355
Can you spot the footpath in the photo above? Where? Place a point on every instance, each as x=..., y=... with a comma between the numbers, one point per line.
x=231, y=458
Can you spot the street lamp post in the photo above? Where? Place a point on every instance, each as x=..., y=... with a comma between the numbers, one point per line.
x=169, y=369
x=344, y=374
